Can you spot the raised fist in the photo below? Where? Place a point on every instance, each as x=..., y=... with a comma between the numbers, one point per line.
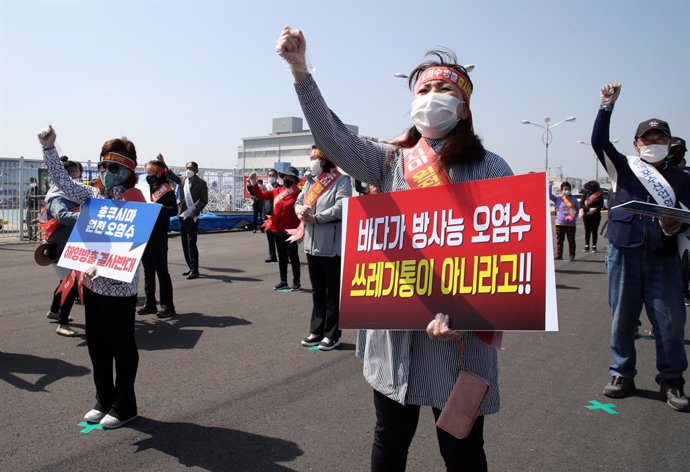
x=47, y=137
x=292, y=47
x=609, y=93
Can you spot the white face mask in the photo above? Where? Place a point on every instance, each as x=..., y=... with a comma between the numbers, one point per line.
x=315, y=167
x=435, y=114
x=189, y=173
x=654, y=152
x=272, y=180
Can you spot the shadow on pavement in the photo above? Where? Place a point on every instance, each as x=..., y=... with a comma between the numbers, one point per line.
x=49, y=370
x=578, y=272
x=566, y=287
x=153, y=334
x=228, y=279
x=216, y=449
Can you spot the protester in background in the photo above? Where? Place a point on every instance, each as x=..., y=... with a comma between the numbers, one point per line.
x=272, y=184
x=676, y=155
x=566, y=219
x=155, y=258
x=283, y=219
x=319, y=207
x=257, y=208
x=109, y=304
x=193, y=200
x=407, y=369
x=591, y=203
x=33, y=205
x=56, y=222
x=642, y=254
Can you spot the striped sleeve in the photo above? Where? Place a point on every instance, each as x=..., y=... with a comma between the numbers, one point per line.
x=74, y=191
x=362, y=159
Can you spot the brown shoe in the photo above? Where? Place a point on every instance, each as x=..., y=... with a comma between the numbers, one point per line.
x=619, y=387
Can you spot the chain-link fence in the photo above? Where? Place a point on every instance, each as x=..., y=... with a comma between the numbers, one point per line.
x=24, y=183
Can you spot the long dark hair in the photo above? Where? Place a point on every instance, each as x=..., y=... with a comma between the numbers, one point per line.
x=461, y=145
x=125, y=147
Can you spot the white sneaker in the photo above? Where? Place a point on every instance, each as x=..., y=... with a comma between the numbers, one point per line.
x=110, y=422
x=65, y=330
x=94, y=416
x=328, y=344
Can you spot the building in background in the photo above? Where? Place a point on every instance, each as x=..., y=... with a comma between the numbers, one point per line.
x=288, y=144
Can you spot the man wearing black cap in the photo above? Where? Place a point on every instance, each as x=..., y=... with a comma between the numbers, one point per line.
x=642, y=255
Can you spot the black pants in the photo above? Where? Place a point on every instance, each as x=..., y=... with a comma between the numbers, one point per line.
x=110, y=336
x=270, y=236
x=561, y=232
x=155, y=262
x=256, y=213
x=395, y=428
x=685, y=272
x=591, y=228
x=324, y=273
x=287, y=251
x=188, y=232
x=64, y=310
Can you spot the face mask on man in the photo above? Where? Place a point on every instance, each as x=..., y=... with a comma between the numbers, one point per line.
x=567, y=193
x=315, y=167
x=189, y=173
x=435, y=114
x=287, y=182
x=272, y=180
x=654, y=153
x=151, y=179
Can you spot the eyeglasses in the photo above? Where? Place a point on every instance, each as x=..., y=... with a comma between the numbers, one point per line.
x=112, y=167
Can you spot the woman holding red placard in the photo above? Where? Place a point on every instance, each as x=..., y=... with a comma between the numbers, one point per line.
x=408, y=369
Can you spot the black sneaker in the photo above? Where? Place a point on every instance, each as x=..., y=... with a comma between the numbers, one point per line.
x=586, y=249
x=193, y=275
x=271, y=259
x=147, y=310
x=312, y=340
x=675, y=397
x=594, y=249
x=166, y=313
x=186, y=272
x=280, y=285
x=558, y=258
x=687, y=301
x=619, y=387
x=295, y=288
x=328, y=344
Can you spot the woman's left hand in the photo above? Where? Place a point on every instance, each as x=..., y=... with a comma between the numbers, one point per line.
x=439, y=329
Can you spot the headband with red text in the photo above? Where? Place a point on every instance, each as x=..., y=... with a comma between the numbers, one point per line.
x=119, y=159
x=158, y=169
x=446, y=74
x=317, y=153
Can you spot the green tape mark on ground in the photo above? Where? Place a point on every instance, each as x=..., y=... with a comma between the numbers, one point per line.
x=314, y=348
x=607, y=407
x=88, y=427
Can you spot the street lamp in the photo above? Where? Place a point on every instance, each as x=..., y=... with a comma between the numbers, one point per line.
x=547, y=137
x=401, y=75
x=596, y=159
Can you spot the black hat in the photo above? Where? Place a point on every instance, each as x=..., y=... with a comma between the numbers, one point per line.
x=651, y=125
x=291, y=171
x=676, y=141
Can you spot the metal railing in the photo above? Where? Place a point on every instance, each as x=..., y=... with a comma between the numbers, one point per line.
x=20, y=203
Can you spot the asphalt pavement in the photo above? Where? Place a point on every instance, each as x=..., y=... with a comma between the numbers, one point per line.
x=226, y=386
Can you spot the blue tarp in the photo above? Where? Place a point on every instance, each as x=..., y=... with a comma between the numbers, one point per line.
x=211, y=222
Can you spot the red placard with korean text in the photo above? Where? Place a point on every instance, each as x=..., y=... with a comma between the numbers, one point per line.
x=479, y=251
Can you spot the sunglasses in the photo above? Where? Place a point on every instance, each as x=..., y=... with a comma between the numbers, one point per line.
x=112, y=167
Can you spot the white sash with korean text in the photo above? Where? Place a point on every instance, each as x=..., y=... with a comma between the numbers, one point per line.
x=191, y=204
x=661, y=191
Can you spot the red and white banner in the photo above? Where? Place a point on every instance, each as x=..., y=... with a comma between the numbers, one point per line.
x=479, y=251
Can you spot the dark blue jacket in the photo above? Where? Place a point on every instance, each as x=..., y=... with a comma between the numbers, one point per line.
x=627, y=229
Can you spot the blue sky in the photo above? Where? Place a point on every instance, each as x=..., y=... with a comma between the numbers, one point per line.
x=189, y=79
